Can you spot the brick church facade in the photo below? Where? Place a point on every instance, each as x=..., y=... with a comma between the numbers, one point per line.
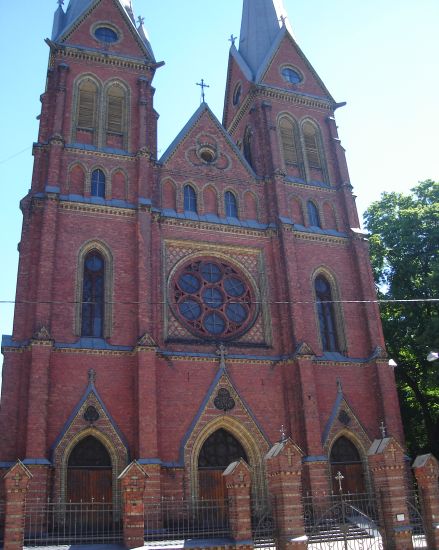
x=194, y=309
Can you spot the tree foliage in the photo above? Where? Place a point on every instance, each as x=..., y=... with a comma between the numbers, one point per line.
x=404, y=246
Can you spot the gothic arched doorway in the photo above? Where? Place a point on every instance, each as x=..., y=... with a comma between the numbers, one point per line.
x=346, y=459
x=218, y=451
x=89, y=472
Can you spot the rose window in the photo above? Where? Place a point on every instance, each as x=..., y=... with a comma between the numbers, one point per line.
x=213, y=299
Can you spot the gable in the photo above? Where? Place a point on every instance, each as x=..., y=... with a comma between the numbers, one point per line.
x=239, y=82
x=204, y=134
x=286, y=53
x=108, y=14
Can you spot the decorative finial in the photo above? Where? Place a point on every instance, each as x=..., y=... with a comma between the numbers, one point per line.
x=202, y=85
x=92, y=376
x=283, y=434
x=222, y=353
x=233, y=39
x=60, y=3
x=140, y=20
x=339, y=477
x=282, y=18
x=383, y=430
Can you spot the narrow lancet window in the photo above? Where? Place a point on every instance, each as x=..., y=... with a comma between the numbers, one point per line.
x=190, y=199
x=98, y=184
x=313, y=215
x=326, y=314
x=231, y=205
x=93, y=293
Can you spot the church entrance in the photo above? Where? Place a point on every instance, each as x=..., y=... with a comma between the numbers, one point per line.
x=89, y=473
x=219, y=450
x=346, y=459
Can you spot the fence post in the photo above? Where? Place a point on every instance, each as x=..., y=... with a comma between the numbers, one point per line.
x=133, y=485
x=284, y=472
x=386, y=462
x=237, y=476
x=16, y=485
x=426, y=469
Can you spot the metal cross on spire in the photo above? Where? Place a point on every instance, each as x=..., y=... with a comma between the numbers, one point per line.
x=140, y=20
x=282, y=18
x=233, y=39
x=203, y=85
x=60, y=2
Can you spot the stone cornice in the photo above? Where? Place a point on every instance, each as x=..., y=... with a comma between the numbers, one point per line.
x=97, y=209
x=316, y=237
x=218, y=228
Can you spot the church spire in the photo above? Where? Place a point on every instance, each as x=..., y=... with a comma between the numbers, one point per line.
x=261, y=22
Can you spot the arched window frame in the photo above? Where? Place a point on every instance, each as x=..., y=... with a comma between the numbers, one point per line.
x=289, y=140
x=190, y=199
x=313, y=212
x=103, y=250
x=247, y=145
x=76, y=126
x=314, y=154
x=98, y=183
x=337, y=312
x=231, y=208
x=124, y=115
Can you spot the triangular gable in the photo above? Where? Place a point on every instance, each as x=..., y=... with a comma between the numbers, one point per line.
x=80, y=12
x=237, y=70
x=213, y=402
x=262, y=76
x=92, y=398
x=343, y=419
x=204, y=110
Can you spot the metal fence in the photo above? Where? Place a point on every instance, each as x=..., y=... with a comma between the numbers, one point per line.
x=414, y=505
x=343, y=521
x=168, y=522
x=263, y=518
x=53, y=523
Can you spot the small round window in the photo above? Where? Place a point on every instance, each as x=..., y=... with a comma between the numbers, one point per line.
x=213, y=299
x=291, y=76
x=207, y=154
x=107, y=35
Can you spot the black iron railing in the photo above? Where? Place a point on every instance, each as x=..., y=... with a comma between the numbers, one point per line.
x=168, y=521
x=2, y=523
x=53, y=523
x=344, y=518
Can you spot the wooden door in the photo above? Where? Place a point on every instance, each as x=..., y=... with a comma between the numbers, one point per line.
x=86, y=485
x=353, y=481
x=212, y=485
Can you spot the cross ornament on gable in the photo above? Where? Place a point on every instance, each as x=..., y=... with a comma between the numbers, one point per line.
x=17, y=479
x=203, y=85
x=240, y=477
x=140, y=20
x=222, y=353
x=383, y=430
x=233, y=39
x=283, y=433
x=392, y=450
x=282, y=19
x=290, y=455
x=60, y=2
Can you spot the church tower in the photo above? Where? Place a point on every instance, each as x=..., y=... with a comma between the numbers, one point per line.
x=189, y=310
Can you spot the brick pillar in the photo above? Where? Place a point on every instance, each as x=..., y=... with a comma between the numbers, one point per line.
x=426, y=469
x=284, y=472
x=16, y=484
x=238, y=482
x=133, y=484
x=386, y=462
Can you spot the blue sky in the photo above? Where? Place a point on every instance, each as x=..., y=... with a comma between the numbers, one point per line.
x=379, y=56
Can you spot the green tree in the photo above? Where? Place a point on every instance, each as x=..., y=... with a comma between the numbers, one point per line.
x=404, y=246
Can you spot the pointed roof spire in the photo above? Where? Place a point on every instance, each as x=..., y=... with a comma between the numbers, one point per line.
x=261, y=22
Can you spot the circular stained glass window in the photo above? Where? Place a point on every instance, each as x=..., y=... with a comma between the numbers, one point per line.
x=213, y=299
x=291, y=76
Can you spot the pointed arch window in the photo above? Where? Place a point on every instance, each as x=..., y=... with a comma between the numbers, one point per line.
x=247, y=145
x=93, y=296
x=326, y=314
x=98, y=184
x=288, y=140
x=87, y=105
x=231, y=205
x=312, y=149
x=190, y=199
x=313, y=215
